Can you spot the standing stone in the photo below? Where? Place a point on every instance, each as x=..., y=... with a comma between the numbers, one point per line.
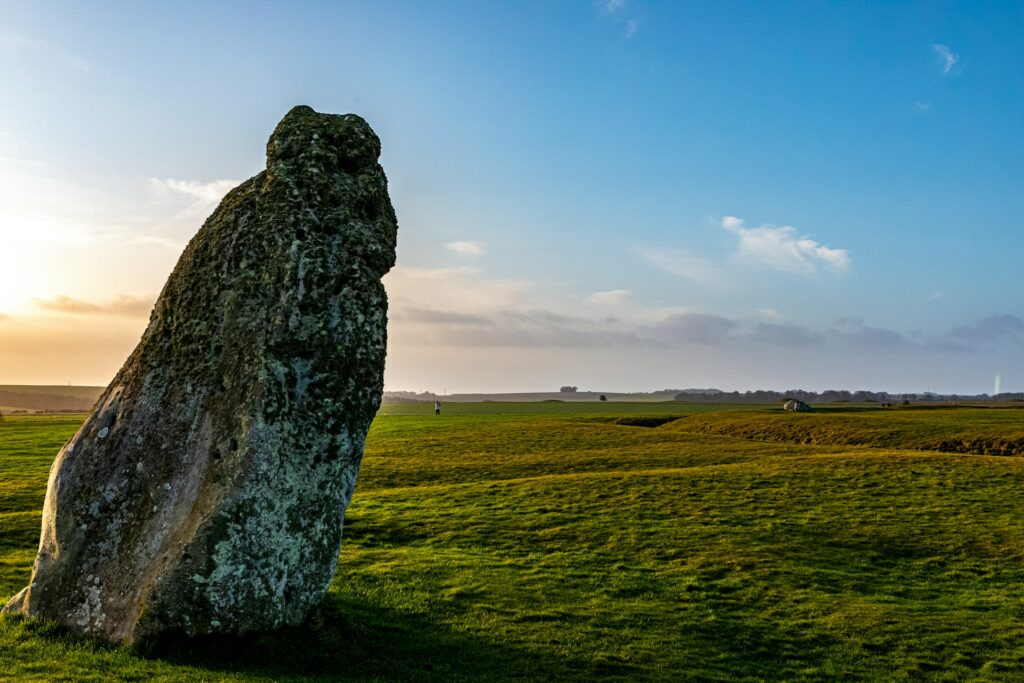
x=793, y=405
x=206, y=491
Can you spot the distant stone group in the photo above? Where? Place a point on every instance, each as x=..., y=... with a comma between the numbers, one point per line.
x=206, y=491
x=793, y=405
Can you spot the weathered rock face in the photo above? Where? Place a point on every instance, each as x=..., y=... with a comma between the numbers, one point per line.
x=206, y=491
x=793, y=405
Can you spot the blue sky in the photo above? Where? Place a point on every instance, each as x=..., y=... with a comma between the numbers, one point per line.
x=619, y=195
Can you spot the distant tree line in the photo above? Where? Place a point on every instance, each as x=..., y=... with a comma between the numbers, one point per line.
x=708, y=396
x=51, y=403
x=831, y=396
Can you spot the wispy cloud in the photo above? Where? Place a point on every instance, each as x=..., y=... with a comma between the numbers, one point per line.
x=785, y=335
x=436, y=317
x=992, y=330
x=41, y=207
x=460, y=290
x=777, y=248
x=24, y=42
x=611, y=296
x=683, y=264
x=517, y=324
x=947, y=58
x=465, y=248
x=782, y=248
x=462, y=307
x=693, y=328
x=123, y=305
x=179, y=207
x=26, y=162
x=619, y=12
x=208, y=193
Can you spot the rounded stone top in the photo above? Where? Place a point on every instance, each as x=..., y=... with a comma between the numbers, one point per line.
x=323, y=140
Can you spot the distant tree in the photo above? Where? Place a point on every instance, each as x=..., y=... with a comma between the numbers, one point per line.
x=603, y=397
x=568, y=390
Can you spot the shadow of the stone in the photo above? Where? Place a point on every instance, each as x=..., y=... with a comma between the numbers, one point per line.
x=351, y=640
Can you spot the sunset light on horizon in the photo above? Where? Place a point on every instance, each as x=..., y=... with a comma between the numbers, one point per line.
x=624, y=196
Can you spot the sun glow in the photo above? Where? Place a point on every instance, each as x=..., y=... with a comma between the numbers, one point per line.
x=21, y=278
x=36, y=230
x=27, y=265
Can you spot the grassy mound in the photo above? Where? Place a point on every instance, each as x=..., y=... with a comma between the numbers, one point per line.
x=986, y=431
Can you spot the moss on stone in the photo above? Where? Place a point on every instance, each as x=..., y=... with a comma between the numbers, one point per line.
x=214, y=499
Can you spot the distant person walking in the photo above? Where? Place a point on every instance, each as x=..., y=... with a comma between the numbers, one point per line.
x=437, y=407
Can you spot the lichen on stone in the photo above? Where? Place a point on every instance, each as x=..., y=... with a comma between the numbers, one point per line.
x=206, y=491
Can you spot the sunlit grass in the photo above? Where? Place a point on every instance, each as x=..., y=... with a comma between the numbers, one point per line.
x=544, y=541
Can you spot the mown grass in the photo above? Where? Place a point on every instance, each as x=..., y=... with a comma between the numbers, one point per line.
x=564, y=541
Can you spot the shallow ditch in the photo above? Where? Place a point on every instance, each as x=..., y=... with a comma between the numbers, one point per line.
x=639, y=420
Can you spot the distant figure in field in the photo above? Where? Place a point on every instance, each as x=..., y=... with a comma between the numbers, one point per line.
x=437, y=407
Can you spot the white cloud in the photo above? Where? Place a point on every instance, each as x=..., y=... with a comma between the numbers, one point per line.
x=465, y=248
x=611, y=296
x=781, y=248
x=732, y=223
x=631, y=26
x=613, y=6
x=947, y=58
x=771, y=313
x=683, y=264
x=208, y=193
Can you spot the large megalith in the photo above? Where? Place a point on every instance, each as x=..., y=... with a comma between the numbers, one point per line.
x=206, y=491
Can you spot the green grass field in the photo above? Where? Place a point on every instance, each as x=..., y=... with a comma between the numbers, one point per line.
x=633, y=541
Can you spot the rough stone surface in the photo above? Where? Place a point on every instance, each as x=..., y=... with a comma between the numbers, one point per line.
x=206, y=491
x=793, y=405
